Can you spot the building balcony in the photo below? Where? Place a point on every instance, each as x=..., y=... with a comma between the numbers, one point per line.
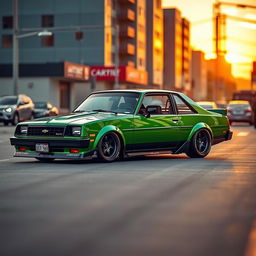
x=127, y=1
x=127, y=49
x=127, y=31
x=126, y=14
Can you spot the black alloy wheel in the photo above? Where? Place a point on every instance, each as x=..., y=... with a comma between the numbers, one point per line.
x=200, y=145
x=109, y=147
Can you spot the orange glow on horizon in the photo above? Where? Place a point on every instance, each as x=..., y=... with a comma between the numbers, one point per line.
x=240, y=43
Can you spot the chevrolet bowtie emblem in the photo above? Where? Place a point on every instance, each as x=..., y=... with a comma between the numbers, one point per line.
x=45, y=131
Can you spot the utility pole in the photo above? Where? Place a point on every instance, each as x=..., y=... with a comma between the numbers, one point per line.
x=15, y=66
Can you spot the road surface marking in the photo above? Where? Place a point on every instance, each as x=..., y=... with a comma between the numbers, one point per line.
x=251, y=244
x=242, y=133
x=2, y=160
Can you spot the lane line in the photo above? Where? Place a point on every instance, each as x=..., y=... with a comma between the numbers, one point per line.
x=3, y=160
x=242, y=133
x=251, y=244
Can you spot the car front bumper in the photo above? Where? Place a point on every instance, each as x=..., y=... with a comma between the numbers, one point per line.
x=5, y=116
x=55, y=145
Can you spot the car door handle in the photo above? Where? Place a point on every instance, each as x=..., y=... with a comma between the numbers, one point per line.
x=175, y=120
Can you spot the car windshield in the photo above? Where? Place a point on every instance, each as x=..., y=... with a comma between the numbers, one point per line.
x=8, y=100
x=117, y=102
x=41, y=105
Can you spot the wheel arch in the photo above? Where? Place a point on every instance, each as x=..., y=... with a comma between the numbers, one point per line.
x=199, y=126
x=106, y=129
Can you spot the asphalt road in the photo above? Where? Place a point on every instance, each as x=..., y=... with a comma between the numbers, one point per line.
x=157, y=205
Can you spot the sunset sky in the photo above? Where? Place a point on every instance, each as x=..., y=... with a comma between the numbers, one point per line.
x=241, y=37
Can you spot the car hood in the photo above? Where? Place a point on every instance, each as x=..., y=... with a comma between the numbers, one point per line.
x=7, y=106
x=76, y=118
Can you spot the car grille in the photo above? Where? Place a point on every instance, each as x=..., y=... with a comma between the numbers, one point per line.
x=46, y=131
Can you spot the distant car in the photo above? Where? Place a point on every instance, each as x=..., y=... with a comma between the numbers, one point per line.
x=240, y=111
x=14, y=109
x=207, y=104
x=117, y=123
x=43, y=109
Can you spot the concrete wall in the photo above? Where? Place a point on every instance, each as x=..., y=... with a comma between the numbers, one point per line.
x=66, y=47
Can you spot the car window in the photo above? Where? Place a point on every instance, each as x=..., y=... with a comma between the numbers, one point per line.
x=160, y=101
x=182, y=107
x=120, y=102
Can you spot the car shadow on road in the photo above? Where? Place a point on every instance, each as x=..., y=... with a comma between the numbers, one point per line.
x=164, y=159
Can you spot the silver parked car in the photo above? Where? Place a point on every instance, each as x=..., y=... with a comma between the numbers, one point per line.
x=14, y=109
x=240, y=111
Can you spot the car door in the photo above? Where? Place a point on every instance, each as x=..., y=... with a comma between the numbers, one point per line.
x=188, y=117
x=157, y=130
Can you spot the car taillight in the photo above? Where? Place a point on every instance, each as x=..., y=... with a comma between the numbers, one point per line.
x=228, y=124
x=248, y=110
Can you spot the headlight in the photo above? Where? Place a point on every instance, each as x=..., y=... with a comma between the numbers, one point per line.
x=23, y=130
x=76, y=131
x=8, y=110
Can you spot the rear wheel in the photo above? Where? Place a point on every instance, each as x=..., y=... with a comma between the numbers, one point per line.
x=109, y=147
x=200, y=144
x=6, y=123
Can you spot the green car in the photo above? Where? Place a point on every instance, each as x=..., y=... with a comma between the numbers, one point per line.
x=117, y=123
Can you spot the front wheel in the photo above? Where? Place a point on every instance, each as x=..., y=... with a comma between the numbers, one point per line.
x=200, y=144
x=109, y=147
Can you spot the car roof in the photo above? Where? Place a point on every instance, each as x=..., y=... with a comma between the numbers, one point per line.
x=239, y=102
x=139, y=91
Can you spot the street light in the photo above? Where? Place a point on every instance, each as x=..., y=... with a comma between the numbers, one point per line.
x=27, y=32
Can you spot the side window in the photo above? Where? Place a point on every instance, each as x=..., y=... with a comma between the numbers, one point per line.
x=161, y=102
x=182, y=106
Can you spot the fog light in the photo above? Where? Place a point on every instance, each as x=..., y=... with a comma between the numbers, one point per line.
x=74, y=150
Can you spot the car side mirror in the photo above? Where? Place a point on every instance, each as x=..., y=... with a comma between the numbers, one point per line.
x=153, y=109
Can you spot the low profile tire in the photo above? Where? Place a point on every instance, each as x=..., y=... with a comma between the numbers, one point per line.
x=109, y=147
x=15, y=119
x=200, y=144
x=45, y=160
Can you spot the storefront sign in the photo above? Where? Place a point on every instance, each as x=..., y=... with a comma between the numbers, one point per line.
x=136, y=76
x=125, y=74
x=76, y=71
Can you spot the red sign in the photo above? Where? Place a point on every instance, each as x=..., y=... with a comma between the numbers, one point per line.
x=125, y=74
x=76, y=71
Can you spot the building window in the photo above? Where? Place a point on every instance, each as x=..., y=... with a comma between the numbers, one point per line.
x=47, y=41
x=47, y=21
x=158, y=4
x=7, y=22
x=7, y=41
x=141, y=62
